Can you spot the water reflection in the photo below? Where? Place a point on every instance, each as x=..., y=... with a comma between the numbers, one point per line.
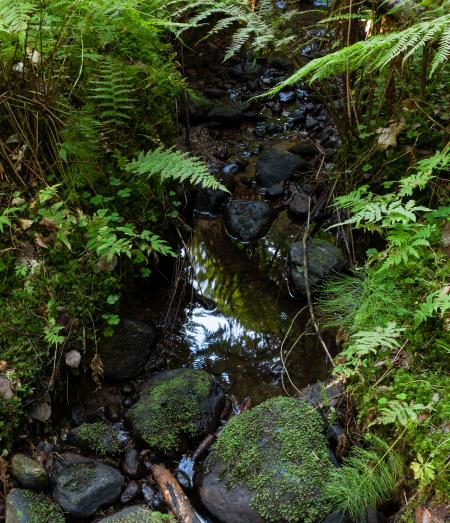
x=242, y=312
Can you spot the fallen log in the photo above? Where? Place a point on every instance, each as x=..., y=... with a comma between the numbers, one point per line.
x=204, y=446
x=176, y=500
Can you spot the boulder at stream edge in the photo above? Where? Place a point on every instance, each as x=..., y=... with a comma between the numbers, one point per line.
x=137, y=514
x=324, y=258
x=25, y=506
x=83, y=485
x=248, y=220
x=276, y=166
x=125, y=353
x=269, y=464
x=176, y=406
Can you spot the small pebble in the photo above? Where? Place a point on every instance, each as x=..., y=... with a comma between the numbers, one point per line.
x=130, y=492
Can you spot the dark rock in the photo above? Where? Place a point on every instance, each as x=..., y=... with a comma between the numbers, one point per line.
x=299, y=205
x=272, y=128
x=148, y=493
x=229, y=113
x=248, y=220
x=132, y=465
x=304, y=149
x=176, y=406
x=247, y=70
x=99, y=437
x=323, y=257
x=126, y=352
x=277, y=110
x=275, y=191
x=260, y=131
x=25, y=506
x=222, y=154
x=296, y=117
x=128, y=389
x=276, y=166
x=214, y=92
x=286, y=97
x=78, y=414
x=280, y=435
x=330, y=153
x=82, y=485
x=130, y=492
x=209, y=201
x=311, y=123
x=128, y=402
x=113, y=411
x=231, y=168
x=28, y=472
x=138, y=513
x=323, y=394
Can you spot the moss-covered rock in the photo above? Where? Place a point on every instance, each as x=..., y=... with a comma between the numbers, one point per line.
x=175, y=406
x=274, y=458
x=24, y=506
x=99, y=437
x=138, y=514
x=28, y=472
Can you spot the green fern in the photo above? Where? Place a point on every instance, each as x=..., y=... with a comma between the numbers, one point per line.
x=171, y=164
x=399, y=412
x=368, y=477
x=15, y=16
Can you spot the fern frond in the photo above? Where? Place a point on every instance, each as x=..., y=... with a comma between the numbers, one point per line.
x=15, y=16
x=170, y=164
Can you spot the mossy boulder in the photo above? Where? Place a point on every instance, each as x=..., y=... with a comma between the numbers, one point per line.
x=99, y=437
x=137, y=514
x=25, y=506
x=82, y=485
x=176, y=406
x=28, y=472
x=324, y=258
x=269, y=464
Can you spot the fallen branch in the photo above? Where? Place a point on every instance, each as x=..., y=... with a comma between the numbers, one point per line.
x=176, y=500
x=308, y=288
x=203, y=448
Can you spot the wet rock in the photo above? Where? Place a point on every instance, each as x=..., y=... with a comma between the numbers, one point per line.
x=125, y=353
x=296, y=117
x=176, y=406
x=305, y=150
x=276, y=166
x=285, y=438
x=99, y=437
x=132, y=466
x=229, y=113
x=128, y=389
x=136, y=514
x=247, y=70
x=28, y=472
x=24, y=506
x=323, y=394
x=323, y=259
x=148, y=493
x=130, y=492
x=113, y=411
x=78, y=414
x=299, y=205
x=275, y=191
x=248, y=220
x=82, y=485
x=286, y=97
x=209, y=201
x=231, y=168
x=311, y=123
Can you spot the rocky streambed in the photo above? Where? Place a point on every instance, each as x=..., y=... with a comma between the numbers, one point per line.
x=218, y=377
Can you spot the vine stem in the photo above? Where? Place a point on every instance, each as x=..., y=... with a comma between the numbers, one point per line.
x=308, y=288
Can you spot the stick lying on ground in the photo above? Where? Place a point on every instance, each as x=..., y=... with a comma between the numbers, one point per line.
x=175, y=498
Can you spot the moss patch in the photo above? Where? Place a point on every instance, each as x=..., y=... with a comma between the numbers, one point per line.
x=41, y=509
x=81, y=475
x=99, y=437
x=279, y=451
x=171, y=409
x=142, y=515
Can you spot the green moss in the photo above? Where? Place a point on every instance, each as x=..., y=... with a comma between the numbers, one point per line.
x=171, y=409
x=82, y=475
x=144, y=515
x=279, y=451
x=99, y=437
x=41, y=509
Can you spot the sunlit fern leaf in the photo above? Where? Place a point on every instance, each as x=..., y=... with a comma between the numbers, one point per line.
x=15, y=16
x=171, y=164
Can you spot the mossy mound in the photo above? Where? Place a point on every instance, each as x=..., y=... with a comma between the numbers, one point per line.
x=278, y=451
x=25, y=506
x=138, y=514
x=175, y=406
x=99, y=437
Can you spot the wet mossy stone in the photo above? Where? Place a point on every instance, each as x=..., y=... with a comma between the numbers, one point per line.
x=137, y=514
x=324, y=258
x=248, y=220
x=25, y=506
x=125, y=353
x=28, y=472
x=269, y=464
x=176, y=406
x=99, y=437
x=82, y=485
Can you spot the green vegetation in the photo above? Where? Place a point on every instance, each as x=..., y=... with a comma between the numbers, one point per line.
x=171, y=408
x=279, y=451
x=141, y=515
x=41, y=509
x=81, y=475
x=99, y=437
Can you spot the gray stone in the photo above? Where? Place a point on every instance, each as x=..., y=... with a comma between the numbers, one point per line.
x=132, y=466
x=126, y=352
x=276, y=166
x=299, y=205
x=82, y=485
x=25, y=506
x=323, y=259
x=137, y=514
x=248, y=220
x=28, y=472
